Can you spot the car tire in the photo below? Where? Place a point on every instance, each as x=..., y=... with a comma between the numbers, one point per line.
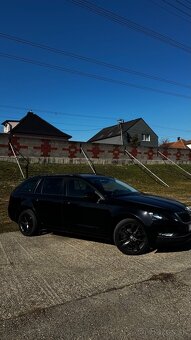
x=27, y=223
x=130, y=237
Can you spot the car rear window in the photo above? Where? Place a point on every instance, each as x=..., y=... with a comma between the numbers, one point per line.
x=29, y=185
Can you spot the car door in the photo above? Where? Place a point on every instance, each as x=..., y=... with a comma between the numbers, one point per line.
x=49, y=202
x=88, y=212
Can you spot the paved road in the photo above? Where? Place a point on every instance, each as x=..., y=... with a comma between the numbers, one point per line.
x=56, y=287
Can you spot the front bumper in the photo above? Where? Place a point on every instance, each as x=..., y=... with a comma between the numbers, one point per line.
x=172, y=231
x=175, y=239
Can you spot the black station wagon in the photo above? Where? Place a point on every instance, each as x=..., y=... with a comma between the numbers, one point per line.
x=99, y=206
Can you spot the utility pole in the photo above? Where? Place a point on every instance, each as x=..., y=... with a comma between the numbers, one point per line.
x=120, y=122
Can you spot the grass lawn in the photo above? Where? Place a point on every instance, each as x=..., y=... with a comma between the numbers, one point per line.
x=179, y=183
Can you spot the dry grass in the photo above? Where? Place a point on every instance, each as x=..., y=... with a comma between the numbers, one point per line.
x=179, y=184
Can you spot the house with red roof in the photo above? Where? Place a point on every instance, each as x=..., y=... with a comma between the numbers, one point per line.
x=178, y=144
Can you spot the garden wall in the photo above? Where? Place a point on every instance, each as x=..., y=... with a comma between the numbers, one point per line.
x=56, y=150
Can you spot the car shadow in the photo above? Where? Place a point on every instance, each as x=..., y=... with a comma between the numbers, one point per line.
x=92, y=238
x=173, y=248
x=157, y=248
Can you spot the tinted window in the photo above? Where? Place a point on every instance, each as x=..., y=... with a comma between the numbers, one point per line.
x=76, y=187
x=53, y=186
x=111, y=186
x=29, y=185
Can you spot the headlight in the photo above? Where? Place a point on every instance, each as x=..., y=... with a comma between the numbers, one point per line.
x=156, y=216
x=188, y=210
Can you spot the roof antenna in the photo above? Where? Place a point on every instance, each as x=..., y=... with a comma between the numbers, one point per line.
x=121, y=122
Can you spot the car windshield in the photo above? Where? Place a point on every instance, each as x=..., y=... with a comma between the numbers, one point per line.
x=112, y=186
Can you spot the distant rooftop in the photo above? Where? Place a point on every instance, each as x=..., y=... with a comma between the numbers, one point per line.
x=32, y=124
x=179, y=144
x=10, y=121
x=9, y=125
x=113, y=131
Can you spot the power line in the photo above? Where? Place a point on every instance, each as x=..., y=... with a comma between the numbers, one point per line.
x=69, y=130
x=169, y=11
x=90, y=75
x=177, y=8
x=184, y=5
x=170, y=128
x=95, y=116
x=91, y=60
x=86, y=116
x=66, y=124
x=130, y=24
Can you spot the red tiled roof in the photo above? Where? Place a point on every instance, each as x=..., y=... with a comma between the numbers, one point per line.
x=179, y=144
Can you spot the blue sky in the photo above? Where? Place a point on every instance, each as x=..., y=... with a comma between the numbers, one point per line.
x=81, y=105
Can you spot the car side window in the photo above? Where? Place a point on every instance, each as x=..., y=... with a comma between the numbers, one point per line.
x=29, y=186
x=53, y=186
x=76, y=187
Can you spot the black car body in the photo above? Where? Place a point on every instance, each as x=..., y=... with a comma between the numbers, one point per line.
x=98, y=205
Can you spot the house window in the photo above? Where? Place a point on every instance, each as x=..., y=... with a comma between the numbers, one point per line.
x=146, y=137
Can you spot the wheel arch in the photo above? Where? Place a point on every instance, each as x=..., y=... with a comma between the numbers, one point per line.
x=123, y=216
x=25, y=206
x=151, y=232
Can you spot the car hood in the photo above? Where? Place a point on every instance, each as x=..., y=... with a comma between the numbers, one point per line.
x=152, y=201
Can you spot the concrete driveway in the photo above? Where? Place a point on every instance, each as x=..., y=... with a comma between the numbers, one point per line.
x=57, y=287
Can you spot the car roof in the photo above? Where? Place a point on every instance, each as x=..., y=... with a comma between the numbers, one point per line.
x=74, y=174
x=83, y=175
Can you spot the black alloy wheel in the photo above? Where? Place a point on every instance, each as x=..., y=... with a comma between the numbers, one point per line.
x=130, y=237
x=27, y=223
